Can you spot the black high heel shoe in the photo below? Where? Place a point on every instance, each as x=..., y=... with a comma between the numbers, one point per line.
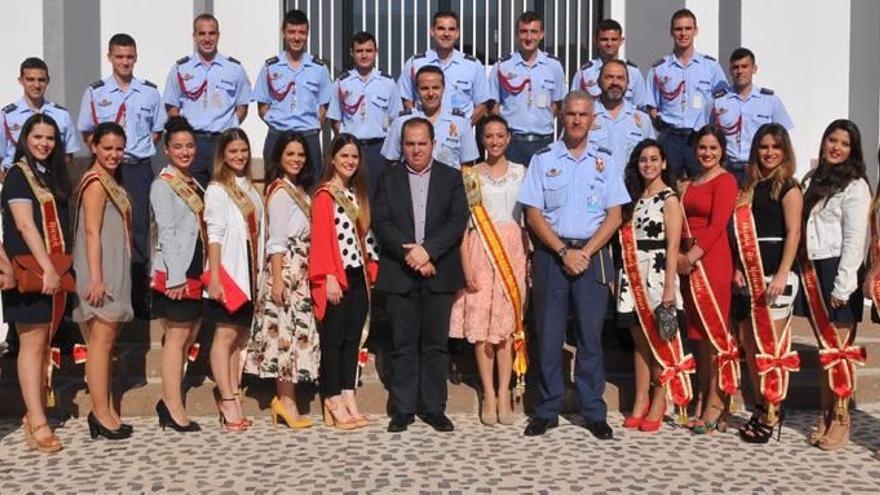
x=761, y=432
x=165, y=419
x=96, y=429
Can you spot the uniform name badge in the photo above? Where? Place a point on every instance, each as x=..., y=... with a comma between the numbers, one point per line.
x=698, y=101
x=542, y=101
x=217, y=99
x=594, y=204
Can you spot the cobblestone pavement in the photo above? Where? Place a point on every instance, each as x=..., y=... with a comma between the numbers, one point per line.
x=473, y=459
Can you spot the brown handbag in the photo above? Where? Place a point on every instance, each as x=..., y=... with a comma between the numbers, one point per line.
x=29, y=274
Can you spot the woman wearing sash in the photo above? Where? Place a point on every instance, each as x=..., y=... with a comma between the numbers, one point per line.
x=178, y=262
x=482, y=312
x=708, y=202
x=650, y=239
x=34, y=199
x=284, y=337
x=837, y=201
x=234, y=218
x=101, y=257
x=767, y=222
x=342, y=265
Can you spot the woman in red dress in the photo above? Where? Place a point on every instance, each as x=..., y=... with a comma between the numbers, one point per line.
x=708, y=202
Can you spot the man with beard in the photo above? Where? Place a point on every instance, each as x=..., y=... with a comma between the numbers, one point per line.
x=618, y=125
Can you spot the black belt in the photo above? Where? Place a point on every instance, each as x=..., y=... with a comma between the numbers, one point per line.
x=574, y=243
x=373, y=141
x=133, y=160
x=208, y=133
x=737, y=165
x=650, y=244
x=310, y=132
x=677, y=131
x=523, y=136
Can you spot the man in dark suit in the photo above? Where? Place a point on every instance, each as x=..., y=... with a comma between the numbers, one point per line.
x=419, y=216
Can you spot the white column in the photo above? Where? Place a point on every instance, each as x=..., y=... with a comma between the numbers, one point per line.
x=707, y=23
x=614, y=9
x=23, y=38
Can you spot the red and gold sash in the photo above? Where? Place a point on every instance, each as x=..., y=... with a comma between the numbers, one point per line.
x=501, y=263
x=117, y=196
x=248, y=211
x=351, y=211
x=714, y=324
x=676, y=366
x=775, y=359
x=874, y=258
x=186, y=191
x=298, y=197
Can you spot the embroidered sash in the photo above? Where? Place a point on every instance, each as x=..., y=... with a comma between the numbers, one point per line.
x=775, y=359
x=249, y=212
x=188, y=194
x=676, y=366
x=117, y=196
x=874, y=258
x=501, y=263
x=298, y=197
x=714, y=323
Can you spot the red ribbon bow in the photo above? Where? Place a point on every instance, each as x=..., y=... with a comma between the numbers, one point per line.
x=686, y=366
x=849, y=355
x=766, y=363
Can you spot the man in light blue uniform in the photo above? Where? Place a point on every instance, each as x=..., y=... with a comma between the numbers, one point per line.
x=609, y=39
x=739, y=111
x=364, y=103
x=293, y=90
x=572, y=193
x=618, y=125
x=211, y=90
x=680, y=86
x=468, y=90
x=528, y=86
x=454, y=142
x=137, y=106
x=33, y=75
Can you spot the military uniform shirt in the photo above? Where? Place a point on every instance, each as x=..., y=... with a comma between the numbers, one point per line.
x=740, y=118
x=681, y=93
x=364, y=107
x=208, y=92
x=294, y=96
x=587, y=79
x=454, y=141
x=14, y=117
x=142, y=115
x=526, y=93
x=573, y=193
x=620, y=135
x=465, y=84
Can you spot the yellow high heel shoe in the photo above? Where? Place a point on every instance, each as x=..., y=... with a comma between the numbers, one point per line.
x=277, y=410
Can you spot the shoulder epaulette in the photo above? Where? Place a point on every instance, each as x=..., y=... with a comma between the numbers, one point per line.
x=587, y=65
x=344, y=75
x=457, y=112
x=719, y=92
x=150, y=84
x=468, y=56
x=59, y=107
x=602, y=149
x=405, y=111
x=272, y=60
x=505, y=59
x=383, y=74
x=9, y=108
x=97, y=84
x=550, y=55
x=631, y=64
x=418, y=55
x=659, y=61
x=543, y=150
x=709, y=57
x=233, y=60
x=183, y=60
x=318, y=60
x=766, y=91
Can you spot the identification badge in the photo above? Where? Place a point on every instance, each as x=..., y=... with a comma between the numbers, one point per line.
x=697, y=101
x=593, y=203
x=542, y=101
x=217, y=99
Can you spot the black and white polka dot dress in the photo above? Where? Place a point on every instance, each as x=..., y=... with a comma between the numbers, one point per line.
x=346, y=236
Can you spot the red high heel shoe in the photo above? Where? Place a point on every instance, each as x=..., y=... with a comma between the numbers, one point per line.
x=633, y=422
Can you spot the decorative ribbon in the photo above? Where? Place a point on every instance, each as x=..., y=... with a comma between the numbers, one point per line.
x=117, y=196
x=186, y=191
x=774, y=359
x=249, y=213
x=666, y=94
x=676, y=366
x=491, y=241
x=349, y=110
x=276, y=94
x=298, y=196
x=510, y=87
x=8, y=131
x=120, y=113
x=195, y=94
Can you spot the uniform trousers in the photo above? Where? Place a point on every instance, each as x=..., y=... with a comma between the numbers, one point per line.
x=341, y=335
x=738, y=169
x=202, y=167
x=375, y=163
x=313, y=141
x=523, y=146
x=420, y=356
x=136, y=176
x=679, y=154
x=554, y=293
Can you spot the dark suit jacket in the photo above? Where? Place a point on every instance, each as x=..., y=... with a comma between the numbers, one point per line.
x=445, y=220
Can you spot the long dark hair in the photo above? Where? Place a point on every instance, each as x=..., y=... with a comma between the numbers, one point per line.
x=635, y=183
x=358, y=180
x=57, y=178
x=711, y=130
x=304, y=178
x=108, y=129
x=826, y=180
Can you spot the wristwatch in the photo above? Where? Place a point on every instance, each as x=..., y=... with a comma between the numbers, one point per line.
x=561, y=252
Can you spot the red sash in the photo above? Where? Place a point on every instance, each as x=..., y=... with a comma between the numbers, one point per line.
x=279, y=95
x=775, y=360
x=195, y=94
x=509, y=87
x=874, y=258
x=249, y=212
x=120, y=114
x=676, y=366
x=714, y=324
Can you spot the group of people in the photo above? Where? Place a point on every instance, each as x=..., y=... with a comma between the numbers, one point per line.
x=674, y=194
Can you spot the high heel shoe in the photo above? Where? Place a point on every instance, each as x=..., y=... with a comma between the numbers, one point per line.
x=244, y=418
x=165, y=419
x=761, y=432
x=241, y=425
x=489, y=412
x=505, y=410
x=754, y=419
x=96, y=429
x=702, y=427
x=277, y=410
x=821, y=429
x=837, y=434
x=633, y=422
x=330, y=418
x=48, y=445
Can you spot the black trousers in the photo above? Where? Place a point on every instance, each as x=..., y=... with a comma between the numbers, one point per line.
x=313, y=140
x=341, y=335
x=202, y=167
x=136, y=176
x=420, y=358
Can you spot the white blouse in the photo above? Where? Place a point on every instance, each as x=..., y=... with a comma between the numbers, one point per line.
x=286, y=220
x=500, y=195
x=838, y=227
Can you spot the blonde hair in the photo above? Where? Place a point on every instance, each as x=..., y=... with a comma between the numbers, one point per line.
x=779, y=175
x=222, y=172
